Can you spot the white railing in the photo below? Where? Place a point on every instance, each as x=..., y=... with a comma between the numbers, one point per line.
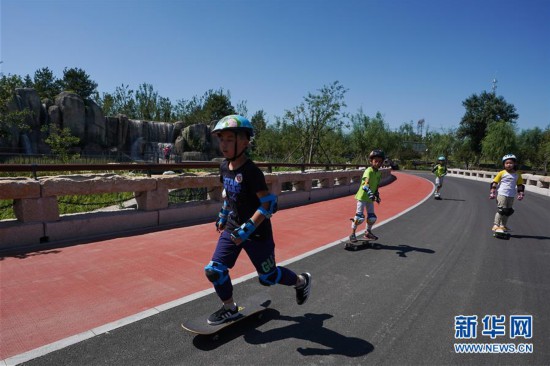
x=533, y=183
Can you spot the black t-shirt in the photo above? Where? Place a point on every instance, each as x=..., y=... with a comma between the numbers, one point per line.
x=241, y=186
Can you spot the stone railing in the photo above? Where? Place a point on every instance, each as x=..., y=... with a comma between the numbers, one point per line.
x=38, y=220
x=533, y=183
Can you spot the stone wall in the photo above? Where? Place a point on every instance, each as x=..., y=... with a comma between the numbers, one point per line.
x=98, y=134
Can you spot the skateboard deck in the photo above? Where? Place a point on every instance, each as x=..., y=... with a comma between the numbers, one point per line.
x=360, y=243
x=247, y=307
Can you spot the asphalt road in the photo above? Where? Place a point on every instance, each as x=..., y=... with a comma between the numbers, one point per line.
x=389, y=305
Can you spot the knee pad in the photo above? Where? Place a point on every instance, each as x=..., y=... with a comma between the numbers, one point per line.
x=371, y=218
x=359, y=218
x=271, y=278
x=506, y=211
x=216, y=273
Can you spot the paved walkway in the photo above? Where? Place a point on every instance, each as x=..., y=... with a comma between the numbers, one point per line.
x=51, y=295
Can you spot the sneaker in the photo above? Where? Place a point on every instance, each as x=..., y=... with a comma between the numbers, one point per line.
x=504, y=228
x=499, y=229
x=495, y=227
x=370, y=235
x=353, y=238
x=302, y=292
x=222, y=315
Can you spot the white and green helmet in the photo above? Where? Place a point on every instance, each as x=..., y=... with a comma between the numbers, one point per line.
x=234, y=122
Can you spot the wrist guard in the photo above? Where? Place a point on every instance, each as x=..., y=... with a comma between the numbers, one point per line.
x=222, y=215
x=369, y=193
x=244, y=231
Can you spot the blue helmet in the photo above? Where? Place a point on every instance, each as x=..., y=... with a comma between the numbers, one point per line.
x=509, y=156
x=441, y=158
x=234, y=122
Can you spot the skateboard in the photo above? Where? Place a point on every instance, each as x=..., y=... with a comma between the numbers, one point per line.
x=253, y=305
x=361, y=242
x=501, y=235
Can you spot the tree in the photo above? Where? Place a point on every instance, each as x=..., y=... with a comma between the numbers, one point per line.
x=60, y=141
x=440, y=144
x=480, y=110
x=146, y=102
x=77, y=81
x=12, y=120
x=218, y=105
x=46, y=84
x=259, y=122
x=314, y=118
x=212, y=106
x=499, y=141
x=368, y=134
x=463, y=152
x=529, y=144
x=544, y=150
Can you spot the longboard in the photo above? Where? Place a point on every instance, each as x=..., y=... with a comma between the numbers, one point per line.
x=499, y=235
x=360, y=243
x=247, y=307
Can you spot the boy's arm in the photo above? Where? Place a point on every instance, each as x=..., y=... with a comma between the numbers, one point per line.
x=520, y=187
x=494, y=185
x=268, y=206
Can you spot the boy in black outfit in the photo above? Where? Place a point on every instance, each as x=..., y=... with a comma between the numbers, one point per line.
x=244, y=221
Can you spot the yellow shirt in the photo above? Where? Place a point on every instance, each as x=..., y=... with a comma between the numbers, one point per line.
x=372, y=178
x=507, y=183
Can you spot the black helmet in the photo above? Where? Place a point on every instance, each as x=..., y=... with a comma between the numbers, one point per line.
x=377, y=153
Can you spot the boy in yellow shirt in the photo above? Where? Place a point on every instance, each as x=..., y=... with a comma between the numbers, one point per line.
x=440, y=171
x=504, y=187
x=367, y=195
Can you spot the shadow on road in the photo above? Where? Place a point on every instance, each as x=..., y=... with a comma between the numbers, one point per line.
x=308, y=327
x=538, y=237
x=401, y=249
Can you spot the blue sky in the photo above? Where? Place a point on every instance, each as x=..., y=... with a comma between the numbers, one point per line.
x=406, y=59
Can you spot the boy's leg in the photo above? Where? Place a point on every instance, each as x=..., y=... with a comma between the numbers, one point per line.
x=508, y=202
x=224, y=258
x=262, y=255
x=357, y=220
x=371, y=220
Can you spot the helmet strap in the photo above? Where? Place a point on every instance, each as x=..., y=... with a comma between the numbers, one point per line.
x=235, y=155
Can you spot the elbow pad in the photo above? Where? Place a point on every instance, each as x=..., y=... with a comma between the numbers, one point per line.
x=272, y=199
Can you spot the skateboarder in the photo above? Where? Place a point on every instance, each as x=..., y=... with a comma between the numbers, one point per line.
x=504, y=187
x=244, y=221
x=440, y=171
x=367, y=195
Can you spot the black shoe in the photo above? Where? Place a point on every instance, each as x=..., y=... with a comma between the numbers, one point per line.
x=353, y=238
x=222, y=315
x=302, y=292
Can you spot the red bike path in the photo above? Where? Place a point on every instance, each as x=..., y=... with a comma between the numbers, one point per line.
x=51, y=295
